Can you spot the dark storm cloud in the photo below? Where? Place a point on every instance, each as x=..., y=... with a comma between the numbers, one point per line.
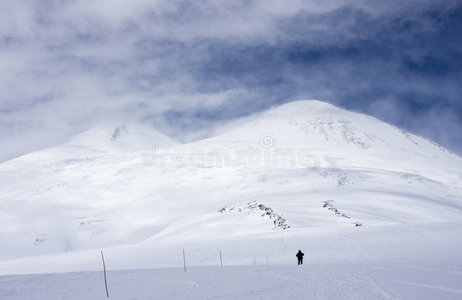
x=185, y=66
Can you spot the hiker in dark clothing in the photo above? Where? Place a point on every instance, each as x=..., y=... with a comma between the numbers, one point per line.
x=299, y=255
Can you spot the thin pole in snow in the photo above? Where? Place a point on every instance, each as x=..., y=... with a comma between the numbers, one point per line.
x=184, y=261
x=267, y=259
x=105, y=279
x=221, y=259
x=254, y=260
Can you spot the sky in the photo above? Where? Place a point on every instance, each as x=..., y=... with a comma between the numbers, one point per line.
x=186, y=67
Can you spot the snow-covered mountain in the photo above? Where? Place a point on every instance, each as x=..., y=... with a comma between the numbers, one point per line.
x=342, y=185
x=333, y=136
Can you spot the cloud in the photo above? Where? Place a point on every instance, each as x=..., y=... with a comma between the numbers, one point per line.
x=187, y=66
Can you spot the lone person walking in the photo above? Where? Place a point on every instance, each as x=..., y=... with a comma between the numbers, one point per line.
x=299, y=255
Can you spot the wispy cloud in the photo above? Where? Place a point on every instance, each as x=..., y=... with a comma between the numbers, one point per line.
x=185, y=66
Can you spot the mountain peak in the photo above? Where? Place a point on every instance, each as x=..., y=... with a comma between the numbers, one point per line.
x=307, y=107
x=123, y=137
x=313, y=104
x=336, y=137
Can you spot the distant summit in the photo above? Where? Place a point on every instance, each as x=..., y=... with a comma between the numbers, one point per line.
x=340, y=138
x=125, y=137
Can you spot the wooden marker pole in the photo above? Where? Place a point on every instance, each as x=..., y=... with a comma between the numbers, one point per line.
x=184, y=261
x=104, y=269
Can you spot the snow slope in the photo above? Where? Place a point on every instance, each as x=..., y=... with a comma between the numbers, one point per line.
x=358, y=196
x=353, y=281
x=50, y=198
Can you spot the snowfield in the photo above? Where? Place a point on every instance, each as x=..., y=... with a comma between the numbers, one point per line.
x=377, y=212
x=352, y=281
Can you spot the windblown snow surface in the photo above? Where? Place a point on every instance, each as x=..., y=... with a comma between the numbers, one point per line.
x=376, y=210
